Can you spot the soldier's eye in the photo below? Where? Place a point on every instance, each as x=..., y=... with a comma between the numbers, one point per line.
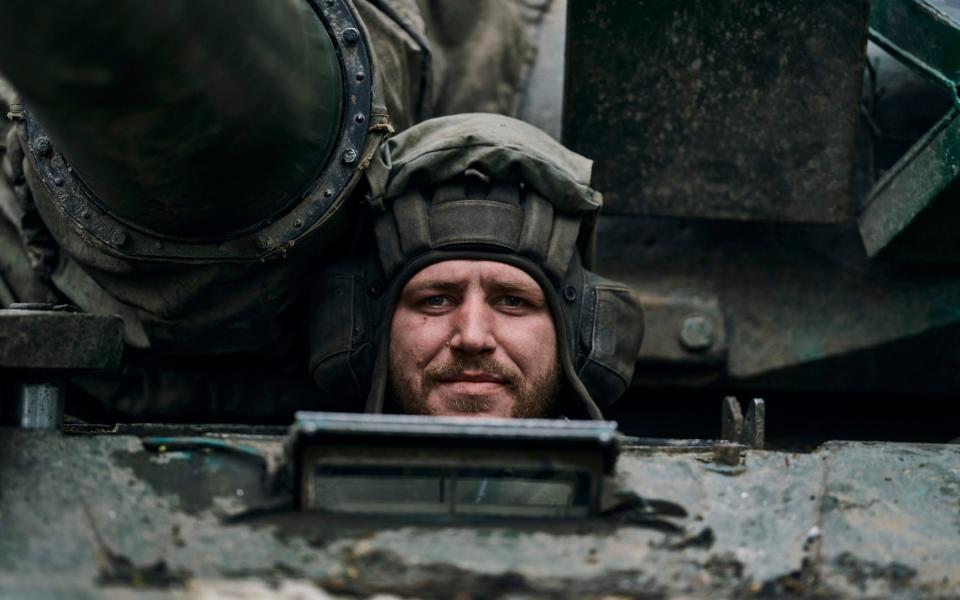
x=513, y=301
x=436, y=301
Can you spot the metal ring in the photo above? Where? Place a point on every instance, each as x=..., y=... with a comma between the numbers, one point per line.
x=75, y=201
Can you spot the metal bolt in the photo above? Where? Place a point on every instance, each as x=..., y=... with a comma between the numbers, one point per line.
x=360, y=118
x=42, y=146
x=264, y=242
x=298, y=223
x=351, y=36
x=726, y=453
x=696, y=334
x=70, y=203
x=349, y=156
x=120, y=238
x=58, y=181
x=360, y=76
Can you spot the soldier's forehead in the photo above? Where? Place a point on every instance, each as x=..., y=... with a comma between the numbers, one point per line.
x=487, y=273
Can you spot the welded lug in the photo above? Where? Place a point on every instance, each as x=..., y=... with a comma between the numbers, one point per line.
x=755, y=427
x=749, y=431
x=727, y=454
x=731, y=420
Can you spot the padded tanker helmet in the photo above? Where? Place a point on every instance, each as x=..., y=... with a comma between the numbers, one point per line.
x=478, y=187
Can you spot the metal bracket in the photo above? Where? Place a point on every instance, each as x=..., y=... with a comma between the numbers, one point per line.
x=921, y=35
x=40, y=345
x=750, y=430
x=682, y=331
x=910, y=212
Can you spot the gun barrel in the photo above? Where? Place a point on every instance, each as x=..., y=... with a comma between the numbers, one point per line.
x=187, y=118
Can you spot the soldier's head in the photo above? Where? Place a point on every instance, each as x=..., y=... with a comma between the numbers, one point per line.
x=477, y=300
x=473, y=337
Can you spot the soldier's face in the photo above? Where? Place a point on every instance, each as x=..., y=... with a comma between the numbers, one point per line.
x=473, y=337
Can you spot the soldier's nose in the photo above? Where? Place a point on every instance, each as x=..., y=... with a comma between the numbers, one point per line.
x=472, y=328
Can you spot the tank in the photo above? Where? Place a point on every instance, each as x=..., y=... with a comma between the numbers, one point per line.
x=778, y=180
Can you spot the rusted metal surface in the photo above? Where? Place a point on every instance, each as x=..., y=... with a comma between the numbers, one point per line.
x=49, y=340
x=102, y=514
x=700, y=109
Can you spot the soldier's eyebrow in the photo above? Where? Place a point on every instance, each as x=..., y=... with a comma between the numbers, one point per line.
x=432, y=285
x=530, y=289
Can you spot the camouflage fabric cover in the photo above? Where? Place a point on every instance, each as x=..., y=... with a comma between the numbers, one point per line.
x=505, y=149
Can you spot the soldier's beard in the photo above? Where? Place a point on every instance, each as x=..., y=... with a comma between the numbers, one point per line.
x=534, y=397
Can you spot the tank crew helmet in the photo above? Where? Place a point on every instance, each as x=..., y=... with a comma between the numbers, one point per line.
x=479, y=187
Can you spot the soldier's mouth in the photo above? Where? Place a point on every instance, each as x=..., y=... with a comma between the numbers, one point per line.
x=473, y=383
x=474, y=377
x=473, y=388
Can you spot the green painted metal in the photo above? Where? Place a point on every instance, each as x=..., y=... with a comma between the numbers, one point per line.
x=910, y=212
x=921, y=35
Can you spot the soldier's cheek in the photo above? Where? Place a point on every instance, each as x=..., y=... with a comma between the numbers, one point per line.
x=427, y=349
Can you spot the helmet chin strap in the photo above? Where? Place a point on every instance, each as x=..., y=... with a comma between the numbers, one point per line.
x=378, y=386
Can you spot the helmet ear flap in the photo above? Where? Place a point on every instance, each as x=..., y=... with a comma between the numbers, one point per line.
x=610, y=331
x=342, y=333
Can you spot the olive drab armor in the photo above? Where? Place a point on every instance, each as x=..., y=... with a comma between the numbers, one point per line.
x=480, y=187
